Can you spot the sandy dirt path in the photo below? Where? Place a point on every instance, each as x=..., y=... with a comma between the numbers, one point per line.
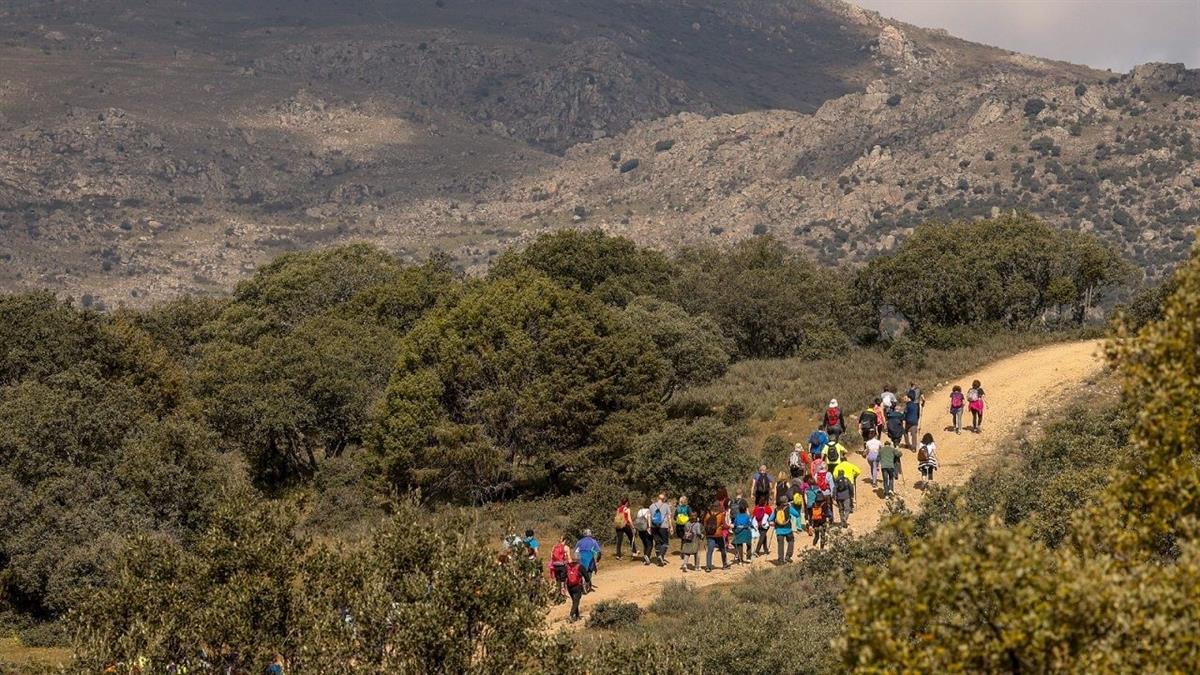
x=1016, y=387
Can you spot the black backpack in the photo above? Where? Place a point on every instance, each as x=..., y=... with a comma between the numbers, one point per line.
x=710, y=524
x=841, y=484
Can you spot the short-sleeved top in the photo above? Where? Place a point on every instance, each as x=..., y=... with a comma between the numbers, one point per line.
x=888, y=399
x=873, y=446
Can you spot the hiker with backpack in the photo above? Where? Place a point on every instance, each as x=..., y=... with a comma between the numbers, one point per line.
x=587, y=552
x=888, y=397
x=689, y=543
x=574, y=581
x=975, y=405
x=560, y=558
x=760, y=483
x=816, y=441
x=783, y=487
x=834, y=421
x=844, y=477
x=743, y=528
x=894, y=417
x=833, y=453
x=623, y=523
x=868, y=424
x=887, y=466
x=880, y=420
x=873, y=447
x=927, y=458
x=958, y=401
x=914, y=393
x=714, y=526
x=762, y=521
x=912, y=421
x=641, y=525
x=821, y=514
x=683, y=515
x=660, y=525
x=784, y=521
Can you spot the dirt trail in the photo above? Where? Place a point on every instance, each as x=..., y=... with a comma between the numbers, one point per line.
x=1015, y=386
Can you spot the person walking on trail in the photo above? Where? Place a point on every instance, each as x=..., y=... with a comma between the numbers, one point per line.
x=587, y=552
x=816, y=441
x=641, y=524
x=761, y=483
x=812, y=493
x=782, y=487
x=888, y=397
x=784, y=523
x=958, y=401
x=623, y=523
x=914, y=392
x=833, y=453
x=683, y=516
x=887, y=466
x=689, y=544
x=660, y=524
x=881, y=421
x=743, y=527
x=762, y=520
x=868, y=424
x=714, y=525
x=895, y=424
x=975, y=405
x=873, y=447
x=834, y=420
x=574, y=581
x=844, y=477
x=821, y=513
x=912, y=422
x=560, y=558
x=927, y=458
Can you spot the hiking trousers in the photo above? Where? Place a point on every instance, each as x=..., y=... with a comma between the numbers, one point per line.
x=788, y=542
x=764, y=544
x=576, y=594
x=956, y=416
x=647, y=544
x=819, y=535
x=716, y=543
x=889, y=481
x=622, y=534
x=661, y=536
x=845, y=508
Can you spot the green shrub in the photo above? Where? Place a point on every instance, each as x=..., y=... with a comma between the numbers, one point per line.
x=907, y=351
x=775, y=450
x=613, y=613
x=676, y=598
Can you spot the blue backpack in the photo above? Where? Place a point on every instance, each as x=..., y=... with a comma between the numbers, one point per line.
x=742, y=522
x=656, y=518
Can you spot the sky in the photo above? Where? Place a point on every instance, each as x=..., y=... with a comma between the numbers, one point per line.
x=1116, y=34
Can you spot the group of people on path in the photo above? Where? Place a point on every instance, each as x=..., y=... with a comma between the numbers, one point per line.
x=815, y=493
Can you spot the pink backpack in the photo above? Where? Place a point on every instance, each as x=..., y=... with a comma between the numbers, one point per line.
x=956, y=399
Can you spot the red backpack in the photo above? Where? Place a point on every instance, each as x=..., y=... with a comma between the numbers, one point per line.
x=833, y=417
x=574, y=575
x=559, y=554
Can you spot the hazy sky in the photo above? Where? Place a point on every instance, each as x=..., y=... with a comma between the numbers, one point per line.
x=1113, y=34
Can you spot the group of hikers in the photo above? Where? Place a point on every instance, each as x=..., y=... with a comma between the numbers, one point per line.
x=815, y=493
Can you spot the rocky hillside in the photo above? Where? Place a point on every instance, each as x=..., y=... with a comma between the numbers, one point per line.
x=147, y=150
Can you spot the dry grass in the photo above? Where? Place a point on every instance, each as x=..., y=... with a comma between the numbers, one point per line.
x=15, y=656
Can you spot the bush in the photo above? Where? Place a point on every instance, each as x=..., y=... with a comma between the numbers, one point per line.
x=907, y=352
x=676, y=598
x=893, y=100
x=613, y=614
x=1034, y=106
x=775, y=450
x=689, y=458
x=48, y=634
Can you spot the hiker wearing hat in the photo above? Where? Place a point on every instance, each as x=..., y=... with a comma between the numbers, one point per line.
x=834, y=420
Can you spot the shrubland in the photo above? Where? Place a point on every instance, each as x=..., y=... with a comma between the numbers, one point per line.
x=174, y=477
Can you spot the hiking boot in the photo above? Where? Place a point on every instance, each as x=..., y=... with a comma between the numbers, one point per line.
x=707, y=569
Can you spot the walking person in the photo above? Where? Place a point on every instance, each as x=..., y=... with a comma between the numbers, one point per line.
x=784, y=524
x=560, y=558
x=762, y=520
x=975, y=405
x=587, y=552
x=914, y=392
x=683, y=515
x=623, y=523
x=873, y=447
x=689, y=544
x=887, y=466
x=660, y=524
x=958, y=401
x=574, y=582
x=783, y=486
x=927, y=458
x=834, y=420
x=714, y=525
x=821, y=514
x=742, y=536
x=888, y=397
x=761, y=482
x=912, y=422
x=894, y=417
x=641, y=524
x=868, y=424
x=844, y=478
x=880, y=419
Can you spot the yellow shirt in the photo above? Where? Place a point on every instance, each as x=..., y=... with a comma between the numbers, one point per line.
x=847, y=469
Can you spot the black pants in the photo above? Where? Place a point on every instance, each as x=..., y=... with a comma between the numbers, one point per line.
x=647, y=543
x=764, y=544
x=576, y=593
x=622, y=534
x=661, y=536
x=819, y=535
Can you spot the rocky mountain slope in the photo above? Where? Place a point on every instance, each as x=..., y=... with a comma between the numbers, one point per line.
x=148, y=150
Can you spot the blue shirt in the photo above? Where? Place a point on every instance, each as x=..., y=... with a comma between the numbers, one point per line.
x=532, y=543
x=587, y=549
x=817, y=440
x=912, y=412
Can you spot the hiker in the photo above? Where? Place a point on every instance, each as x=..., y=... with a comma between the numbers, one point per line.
x=844, y=477
x=623, y=522
x=812, y=492
x=760, y=482
x=912, y=421
x=714, y=525
x=888, y=397
x=927, y=458
x=560, y=558
x=820, y=519
x=782, y=487
x=660, y=525
x=868, y=424
x=914, y=392
x=783, y=520
x=958, y=401
x=975, y=405
x=835, y=422
x=531, y=545
x=895, y=424
x=887, y=465
x=879, y=418
x=742, y=528
x=817, y=440
x=824, y=482
x=689, y=544
x=276, y=666
x=762, y=521
x=873, y=447
x=832, y=453
x=641, y=524
x=574, y=581
x=723, y=501
x=587, y=552
x=683, y=516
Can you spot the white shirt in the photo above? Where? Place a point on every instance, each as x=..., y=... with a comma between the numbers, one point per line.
x=873, y=445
